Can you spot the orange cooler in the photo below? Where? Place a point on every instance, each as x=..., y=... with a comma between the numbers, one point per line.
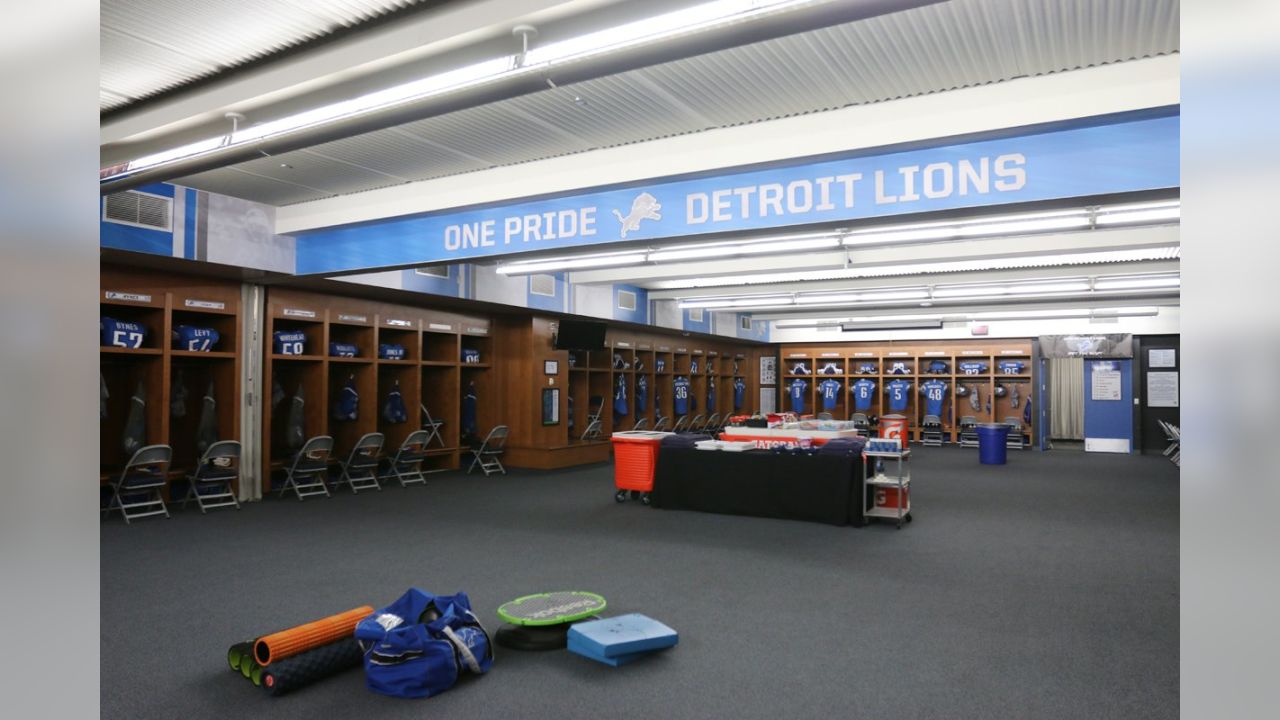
x=894, y=426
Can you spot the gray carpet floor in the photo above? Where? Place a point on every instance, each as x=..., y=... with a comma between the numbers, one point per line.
x=1046, y=588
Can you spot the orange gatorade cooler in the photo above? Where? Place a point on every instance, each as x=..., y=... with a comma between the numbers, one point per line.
x=635, y=454
x=894, y=427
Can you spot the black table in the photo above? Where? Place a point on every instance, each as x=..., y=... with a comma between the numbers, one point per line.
x=819, y=488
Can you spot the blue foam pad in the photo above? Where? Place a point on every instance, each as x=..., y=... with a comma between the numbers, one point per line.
x=576, y=646
x=622, y=635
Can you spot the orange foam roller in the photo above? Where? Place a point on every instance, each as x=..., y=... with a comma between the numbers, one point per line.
x=286, y=643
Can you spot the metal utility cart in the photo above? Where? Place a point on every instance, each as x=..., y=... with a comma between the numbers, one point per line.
x=900, y=482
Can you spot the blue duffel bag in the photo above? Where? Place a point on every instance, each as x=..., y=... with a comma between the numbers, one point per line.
x=419, y=645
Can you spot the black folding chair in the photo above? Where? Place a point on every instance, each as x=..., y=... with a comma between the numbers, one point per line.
x=486, y=456
x=682, y=424
x=309, y=469
x=212, y=482
x=698, y=422
x=641, y=424
x=141, y=484
x=712, y=424
x=406, y=464
x=661, y=424
x=360, y=469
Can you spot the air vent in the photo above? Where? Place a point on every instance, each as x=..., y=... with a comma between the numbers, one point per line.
x=695, y=315
x=139, y=209
x=745, y=322
x=542, y=285
x=438, y=271
x=626, y=300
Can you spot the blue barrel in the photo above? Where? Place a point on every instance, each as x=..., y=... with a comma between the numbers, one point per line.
x=992, y=439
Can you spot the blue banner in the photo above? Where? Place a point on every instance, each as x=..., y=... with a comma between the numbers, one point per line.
x=1119, y=157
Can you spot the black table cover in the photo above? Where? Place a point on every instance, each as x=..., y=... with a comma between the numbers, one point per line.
x=818, y=488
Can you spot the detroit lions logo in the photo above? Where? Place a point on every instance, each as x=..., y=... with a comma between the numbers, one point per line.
x=644, y=207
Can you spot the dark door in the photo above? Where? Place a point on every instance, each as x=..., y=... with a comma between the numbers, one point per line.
x=1163, y=349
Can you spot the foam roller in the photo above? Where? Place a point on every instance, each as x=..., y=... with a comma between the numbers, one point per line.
x=287, y=643
x=238, y=652
x=311, y=666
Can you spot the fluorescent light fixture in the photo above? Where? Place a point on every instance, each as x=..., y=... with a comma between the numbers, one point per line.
x=684, y=21
x=892, y=324
x=571, y=263
x=1162, y=252
x=1156, y=212
x=680, y=22
x=763, y=246
x=751, y=301
x=1138, y=283
x=975, y=227
x=1016, y=290
x=871, y=296
x=1077, y=313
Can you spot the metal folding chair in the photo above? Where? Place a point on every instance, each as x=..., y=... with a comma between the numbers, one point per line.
x=1015, y=439
x=698, y=422
x=968, y=431
x=931, y=431
x=594, y=424
x=309, y=470
x=641, y=424
x=713, y=423
x=682, y=424
x=212, y=482
x=432, y=426
x=141, y=484
x=487, y=455
x=661, y=424
x=406, y=464
x=360, y=469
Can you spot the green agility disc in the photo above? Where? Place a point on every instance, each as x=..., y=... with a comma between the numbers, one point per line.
x=552, y=608
x=238, y=651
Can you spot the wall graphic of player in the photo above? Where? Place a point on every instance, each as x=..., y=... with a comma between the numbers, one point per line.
x=935, y=394
x=739, y=392
x=863, y=390
x=681, y=397
x=797, y=390
x=899, y=392
x=830, y=390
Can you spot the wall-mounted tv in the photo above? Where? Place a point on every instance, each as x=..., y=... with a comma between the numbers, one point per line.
x=580, y=335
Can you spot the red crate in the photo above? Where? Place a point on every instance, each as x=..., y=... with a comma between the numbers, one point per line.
x=887, y=497
x=633, y=462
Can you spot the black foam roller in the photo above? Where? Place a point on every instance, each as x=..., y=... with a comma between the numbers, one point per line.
x=301, y=670
x=238, y=651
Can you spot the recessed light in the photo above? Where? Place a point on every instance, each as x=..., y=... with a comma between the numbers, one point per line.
x=286, y=166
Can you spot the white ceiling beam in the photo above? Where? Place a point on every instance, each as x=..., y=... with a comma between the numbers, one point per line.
x=1119, y=87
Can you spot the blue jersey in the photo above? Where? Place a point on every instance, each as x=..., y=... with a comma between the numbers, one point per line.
x=899, y=394
x=391, y=351
x=739, y=390
x=122, y=333
x=711, y=395
x=693, y=365
x=341, y=349
x=681, y=397
x=1010, y=367
x=939, y=367
x=660, y=365
x=642, y=394
x=935, y=393
x=620, y=396
x=830, y=390
x=973, y=368
x=197, y=339
x=797, y=390
x=347, y=406
x=289, y=342
x=469, y=401
x=862, y=393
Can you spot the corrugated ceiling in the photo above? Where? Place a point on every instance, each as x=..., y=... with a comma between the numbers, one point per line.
x=935, y=48
x=149, y=46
